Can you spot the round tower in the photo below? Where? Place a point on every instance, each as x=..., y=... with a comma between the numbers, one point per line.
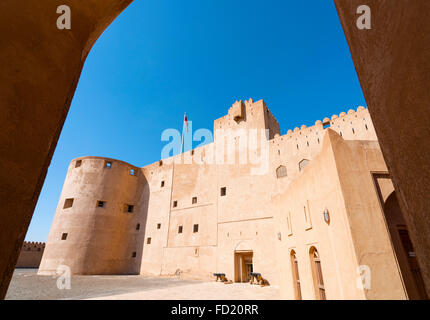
x=99, y=223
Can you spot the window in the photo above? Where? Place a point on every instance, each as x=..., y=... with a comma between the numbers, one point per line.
x=196, y=228
x=303, y=164
x=130, y=208
x=175, y=204
x=159, y=226
x=138, y=226
x=160, y=163
x=68, y=203
x=78, y=163
x=133, y=254
x=101, y=204
x=148, y=241
x=281, y=172
x=180, y=229
x=132, y=172
x=64, y=236
x=162, y=184
x=317, y=274
x=296, y=277
x=108, y=164
x=223, y=191
x=194, y=200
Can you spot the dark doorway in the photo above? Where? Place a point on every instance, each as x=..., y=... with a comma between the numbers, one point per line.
x=243, y=266
x=404, y=249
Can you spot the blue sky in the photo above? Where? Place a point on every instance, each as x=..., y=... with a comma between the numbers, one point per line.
x=162, y=58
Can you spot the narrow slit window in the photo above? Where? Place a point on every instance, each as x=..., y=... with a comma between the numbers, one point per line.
x=138, y=226
x=180, y=229
x=162, y=184
x=64, y=236
x=175, y=203
x=196, y=228
x=148, y=241
x=194, y=201
x=159, y=226
x=223, y=191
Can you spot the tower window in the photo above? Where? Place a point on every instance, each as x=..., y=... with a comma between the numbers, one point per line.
x=175, y=203
x=130, y=208
x=180, y=229
x=194, y=200
x=159, y=226
x=148, y=241
x=133, y=255
x=223, y=191
x=101, y=204
x=133, y=172
x=68, y=203
x=196, y=228
x=162, y=184
x=78, y=163
x=64, y=236
x=108, y=164
x=281, y=172
x=138, y=226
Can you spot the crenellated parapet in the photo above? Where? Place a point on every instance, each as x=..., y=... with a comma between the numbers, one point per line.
x=33, y=246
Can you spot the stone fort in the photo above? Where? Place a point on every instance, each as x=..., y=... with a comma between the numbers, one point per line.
x=322, y=222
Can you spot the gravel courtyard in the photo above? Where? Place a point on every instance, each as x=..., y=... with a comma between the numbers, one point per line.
x=26, y=284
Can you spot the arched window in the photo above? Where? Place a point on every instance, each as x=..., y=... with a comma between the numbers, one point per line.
x=303, y=164
x=296, y=277
x=317, y=274
x=281, y=172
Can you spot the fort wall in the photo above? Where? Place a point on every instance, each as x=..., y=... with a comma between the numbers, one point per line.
x=30, y=255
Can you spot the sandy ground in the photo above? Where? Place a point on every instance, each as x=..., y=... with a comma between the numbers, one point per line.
x=203, y=291
x=27, y=285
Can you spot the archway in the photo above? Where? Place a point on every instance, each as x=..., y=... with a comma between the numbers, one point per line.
x=405, y=252
x=44, y=79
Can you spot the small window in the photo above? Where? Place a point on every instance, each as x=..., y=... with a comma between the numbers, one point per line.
x=160, y=163
x=196, y=228
x=223, y=191
x=194, y=200
x=132, y=172
x=130, y=208
x=303, y=164
x=101, y=204
x=162, y=184
x=159, y=226
x=138, y=226
x=175, y=204
x=180, y=229
x=78, y=163
x=68, y=203
x=281, y=172
x=148, y=241
x=133, y=254
x=108, y=164
x=64, y=236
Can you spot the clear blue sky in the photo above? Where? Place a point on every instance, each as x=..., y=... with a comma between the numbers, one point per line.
x=162, y=58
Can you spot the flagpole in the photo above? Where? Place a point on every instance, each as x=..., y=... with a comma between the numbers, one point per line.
x=182, y=138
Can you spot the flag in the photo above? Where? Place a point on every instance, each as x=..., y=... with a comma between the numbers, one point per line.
x=186, y=120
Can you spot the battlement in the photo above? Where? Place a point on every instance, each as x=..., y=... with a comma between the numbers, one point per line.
x=247, y=114
x=33, y=246
x=348, y=125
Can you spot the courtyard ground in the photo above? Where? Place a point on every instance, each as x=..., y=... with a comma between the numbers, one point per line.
x=26, y=284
